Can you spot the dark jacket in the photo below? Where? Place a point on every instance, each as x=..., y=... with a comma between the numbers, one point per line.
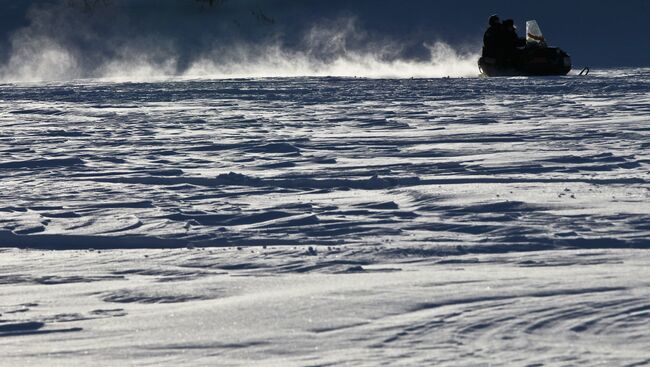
x=511, y=40
x=493, y=45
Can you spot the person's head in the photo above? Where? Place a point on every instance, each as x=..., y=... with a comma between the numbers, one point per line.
x=509, y=24
x=494, y=20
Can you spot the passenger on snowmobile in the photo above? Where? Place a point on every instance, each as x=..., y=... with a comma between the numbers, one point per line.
x=493, y=39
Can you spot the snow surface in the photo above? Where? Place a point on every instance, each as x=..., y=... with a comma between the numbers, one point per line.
x=325, y=221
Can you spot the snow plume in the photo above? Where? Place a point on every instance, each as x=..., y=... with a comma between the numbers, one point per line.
x=337, y=48
x=63, y=42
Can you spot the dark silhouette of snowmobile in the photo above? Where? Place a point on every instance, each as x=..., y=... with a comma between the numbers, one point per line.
x=533, y=59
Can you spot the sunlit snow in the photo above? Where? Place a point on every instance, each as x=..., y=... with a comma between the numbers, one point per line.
x=326, y=220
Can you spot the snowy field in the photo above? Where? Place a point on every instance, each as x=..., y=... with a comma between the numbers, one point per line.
x=326, y=221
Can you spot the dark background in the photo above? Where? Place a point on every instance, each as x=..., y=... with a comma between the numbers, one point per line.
x=597, y=33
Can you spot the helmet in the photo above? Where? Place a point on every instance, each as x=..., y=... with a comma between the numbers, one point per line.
x=494, y=20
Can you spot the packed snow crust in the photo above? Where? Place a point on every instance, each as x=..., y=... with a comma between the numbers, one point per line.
x=325, y=221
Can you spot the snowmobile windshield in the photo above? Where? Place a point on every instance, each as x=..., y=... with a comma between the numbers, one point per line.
x=534, y=33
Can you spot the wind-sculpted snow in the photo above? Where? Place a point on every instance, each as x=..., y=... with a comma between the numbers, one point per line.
x=326, y=221
x=278, y=306
x=432, y=165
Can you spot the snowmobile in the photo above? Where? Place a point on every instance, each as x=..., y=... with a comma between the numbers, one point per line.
x=534, y=59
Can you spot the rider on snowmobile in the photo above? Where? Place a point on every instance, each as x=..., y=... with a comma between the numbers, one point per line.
x=511, y=41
